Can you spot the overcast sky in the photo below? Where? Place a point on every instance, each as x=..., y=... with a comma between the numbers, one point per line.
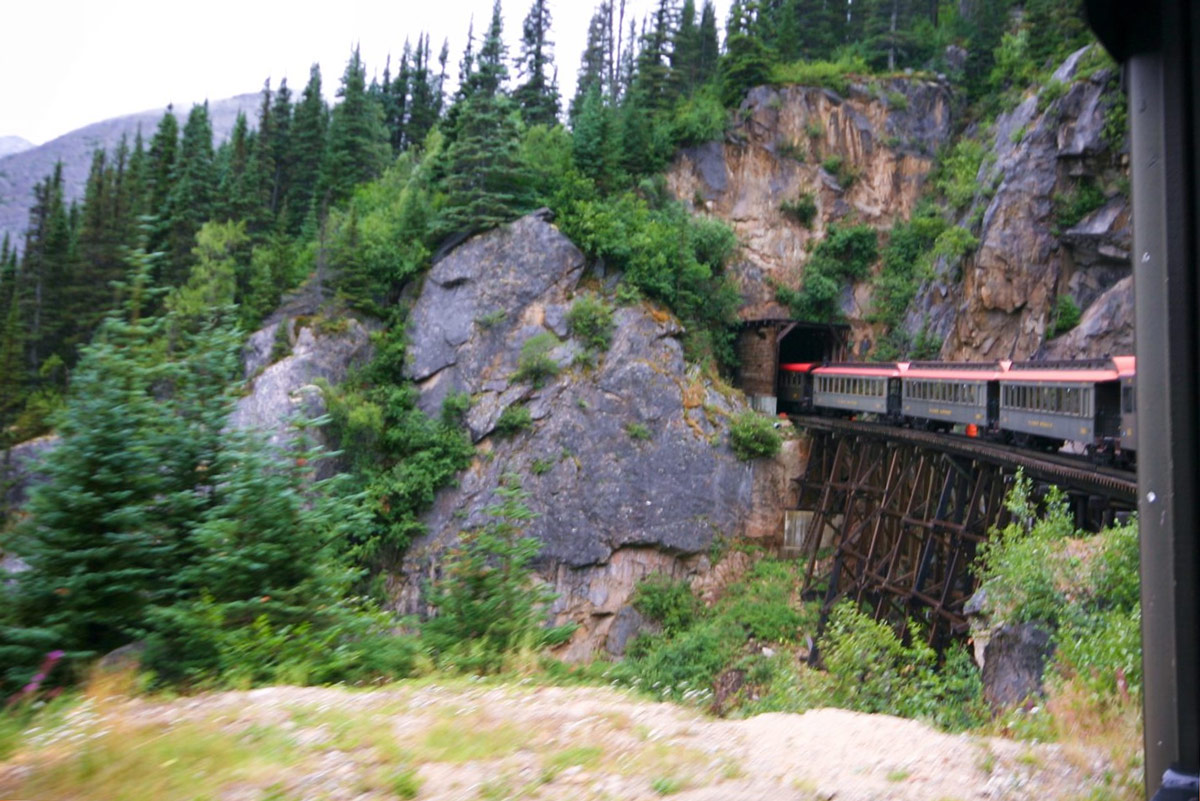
x=67, y=63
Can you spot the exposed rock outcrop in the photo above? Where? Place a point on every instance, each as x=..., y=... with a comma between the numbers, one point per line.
x=1042, y=152
x=19, y=471
x=282, y=392
x=625, y=463
x=884, y=134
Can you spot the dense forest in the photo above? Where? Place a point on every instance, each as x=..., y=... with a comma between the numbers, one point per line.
x=122, y=318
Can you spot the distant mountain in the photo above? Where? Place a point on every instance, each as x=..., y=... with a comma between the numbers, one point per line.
x=13, y=144
x=20, y=171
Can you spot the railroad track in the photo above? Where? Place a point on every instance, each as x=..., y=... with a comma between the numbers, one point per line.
x=1117, y=485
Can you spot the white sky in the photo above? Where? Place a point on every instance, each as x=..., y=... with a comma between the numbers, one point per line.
x=67, y=63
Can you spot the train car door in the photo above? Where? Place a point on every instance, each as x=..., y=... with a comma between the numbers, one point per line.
x=993, y=404
x=894, y=401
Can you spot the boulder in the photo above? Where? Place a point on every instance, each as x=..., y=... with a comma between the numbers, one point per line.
x=19, y=471
x=626, y=461
x=1014, y=660
x=286, y=391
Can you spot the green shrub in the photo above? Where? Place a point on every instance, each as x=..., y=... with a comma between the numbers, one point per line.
x=1066, y=315
x=637, y=431
x=698, y=118
x=753, y=436
x=954, y=243
x=871, y=670
x=1051, y=90
x=668, y=602
x=1071, y=207
x=833, y=75
x=512, y=420
x=591, y=320
x=535, y=363
x=956, y=176
x=488, y=607
x=840, y=169
x=803, y=209
x=897, y=100
x=762, y=603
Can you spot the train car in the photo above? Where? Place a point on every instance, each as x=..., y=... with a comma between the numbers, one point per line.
x=939, y=395
x=1126, y=450
x=1044, y=404
x=795, y=386
x=854, y=388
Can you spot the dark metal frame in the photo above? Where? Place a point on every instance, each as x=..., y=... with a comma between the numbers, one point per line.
x=1158, y=42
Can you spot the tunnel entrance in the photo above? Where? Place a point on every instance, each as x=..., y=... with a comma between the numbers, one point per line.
x=762, y=345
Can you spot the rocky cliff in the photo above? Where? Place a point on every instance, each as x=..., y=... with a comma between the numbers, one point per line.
x=866, y=157
x=862, y=157
x=1044, y=153
x=625, y=460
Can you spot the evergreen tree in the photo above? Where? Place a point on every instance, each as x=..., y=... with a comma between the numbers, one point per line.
x=193, y=195
x=358, y=148
x=280, y=150
x=426, y=95
x=685, y=50
x=160, y=177
x=108, y=529
x=747, y=62
x=306, y=151
x=595, y=66
x=709, y=46
x=490, y=73
x=237, y=197
x=486, y=181
x=46, y=270
x=537, y=97
x=594, y=140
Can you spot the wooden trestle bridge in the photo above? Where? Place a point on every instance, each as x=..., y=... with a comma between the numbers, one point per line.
x=891, y=518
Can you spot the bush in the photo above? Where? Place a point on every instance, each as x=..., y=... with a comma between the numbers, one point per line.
x=668, y=602
x=871, y=670
x=956, y=177
x=1066, y=315
x=803, y=209
x=753, y=436
x=830, y=74
x=488, y=606
x=1073, y=206
x=512, y=420
x=591, y=320
x=535, y=364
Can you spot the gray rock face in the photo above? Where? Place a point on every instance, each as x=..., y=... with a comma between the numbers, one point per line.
x=1105, y=328
x=1000, y=301
x=1015, y=659
x=625, y=463
x=480, y=304
x=19, y=473
x=286, y=390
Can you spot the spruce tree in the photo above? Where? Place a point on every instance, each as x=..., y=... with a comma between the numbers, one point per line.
x=357, y=149
x=709, y=46
x=108, y=529
x=537, y=97
x=160, y=177
x=307, y=149
x=280, y=151
x=193, y=195
x=46, y=271
x=595, y=67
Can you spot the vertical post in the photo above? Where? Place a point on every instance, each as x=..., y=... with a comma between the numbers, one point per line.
x=1163, y=110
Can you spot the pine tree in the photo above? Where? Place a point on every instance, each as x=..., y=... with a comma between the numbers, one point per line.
x=280, y=150
x=595, y=67
x=490, y=73
x=237, y=197
x=358, y=148
x=594, y=140
x=108, y=529
x=307, y=149
x=537, y=97
x=425, y=94
x=709, y=46
x=193, y=196
x=747, y=62
x=685, y=51
x=46, y=270
x=160, y=177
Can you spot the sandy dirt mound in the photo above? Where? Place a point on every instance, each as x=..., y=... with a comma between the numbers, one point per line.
x=519, y=741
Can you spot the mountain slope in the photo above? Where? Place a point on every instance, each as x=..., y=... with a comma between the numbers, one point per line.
x=20, y=171
x=14, y=144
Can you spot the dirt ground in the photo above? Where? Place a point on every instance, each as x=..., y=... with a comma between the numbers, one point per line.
x=524, y=741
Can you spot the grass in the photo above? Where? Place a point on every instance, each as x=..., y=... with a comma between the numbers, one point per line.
x=666, y=785
x=462, y=741
x=898, y=775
